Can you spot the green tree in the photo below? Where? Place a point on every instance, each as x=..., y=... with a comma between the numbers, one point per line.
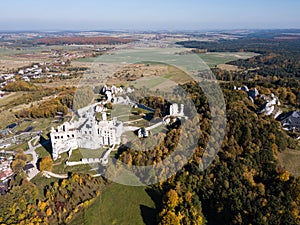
x=46, y=163
x=169, y=218
x=18, y=165
x=109, y=105
x=172, y=199
x=157, y=113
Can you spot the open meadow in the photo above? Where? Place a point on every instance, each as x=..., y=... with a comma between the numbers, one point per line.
x=121, y=205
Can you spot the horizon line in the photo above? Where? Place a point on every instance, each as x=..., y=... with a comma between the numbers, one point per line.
x=146, y=30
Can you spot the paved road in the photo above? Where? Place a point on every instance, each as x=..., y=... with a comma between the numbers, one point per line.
x=31, y=151
x=49, y=174
x=130, y=128
x=104, y=159
x=154, y=126
x=132, y=121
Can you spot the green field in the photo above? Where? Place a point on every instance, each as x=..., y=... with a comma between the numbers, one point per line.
x=166, y=82
x=148, y=82
x=210, y=58
x=120, y=205
x=215, y=58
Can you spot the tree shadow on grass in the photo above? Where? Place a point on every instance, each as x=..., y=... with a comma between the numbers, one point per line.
x=46, y=143
x=150, y=215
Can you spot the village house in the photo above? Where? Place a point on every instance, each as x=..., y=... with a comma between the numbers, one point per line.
x=5, y=169
x=6, y=173
x=291, y=121
x=28, y=168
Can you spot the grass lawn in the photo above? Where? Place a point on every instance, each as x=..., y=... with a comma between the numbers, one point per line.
x=43, y=124
x=42, y=152
x=23, y=146
x=120, y=205
x=76, y=155
x=120, y=110
x=6, y=118
x=291, y=161
x=29, y=157
x=10, y=97
x=92, y=153
x=60, y=167
x=140, y=123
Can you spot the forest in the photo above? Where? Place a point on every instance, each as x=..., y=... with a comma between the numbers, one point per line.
x=245, y=184
x=81, y=40
x=59, y=99
x=279, y=57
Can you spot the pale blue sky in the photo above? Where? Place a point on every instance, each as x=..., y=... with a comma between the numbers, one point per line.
x=148, y=15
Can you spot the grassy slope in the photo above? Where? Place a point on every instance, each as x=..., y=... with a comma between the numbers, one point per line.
x=120, y=204
x=291, y=161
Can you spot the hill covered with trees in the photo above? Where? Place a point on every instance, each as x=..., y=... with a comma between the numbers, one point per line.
x=245, y=184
